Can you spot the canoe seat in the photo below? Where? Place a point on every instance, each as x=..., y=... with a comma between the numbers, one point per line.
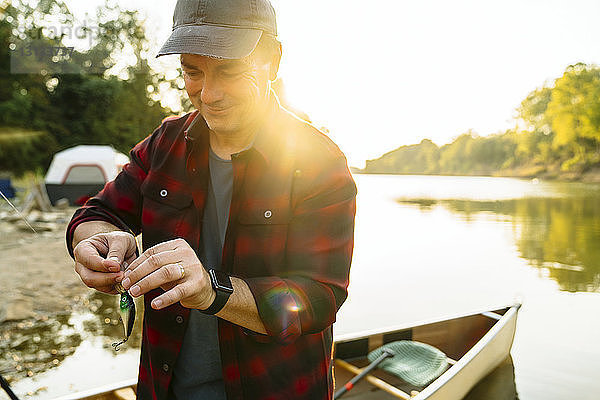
x=414, y=362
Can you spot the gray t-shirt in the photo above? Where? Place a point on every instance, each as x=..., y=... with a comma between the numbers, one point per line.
x=197, y=373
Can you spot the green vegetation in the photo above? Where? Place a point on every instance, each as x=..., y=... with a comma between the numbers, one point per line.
x=20, y=149
x=560, y=138
x=87, y=97
x=85, y=101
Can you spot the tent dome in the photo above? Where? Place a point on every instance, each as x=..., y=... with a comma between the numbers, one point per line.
x=105, y=160
x=82, y=171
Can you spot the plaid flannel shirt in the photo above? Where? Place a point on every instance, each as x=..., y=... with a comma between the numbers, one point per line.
x=290, y=237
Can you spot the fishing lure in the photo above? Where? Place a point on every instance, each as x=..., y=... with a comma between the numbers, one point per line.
x=126, y=303
x=126, y=314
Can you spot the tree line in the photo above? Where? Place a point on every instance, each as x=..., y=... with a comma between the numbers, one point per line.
x=52, y=98
x=558, y=136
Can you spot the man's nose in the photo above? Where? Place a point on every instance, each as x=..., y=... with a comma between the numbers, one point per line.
x=211, y=92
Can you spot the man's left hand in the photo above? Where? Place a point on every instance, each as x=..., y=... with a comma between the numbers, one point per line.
x=174, y=267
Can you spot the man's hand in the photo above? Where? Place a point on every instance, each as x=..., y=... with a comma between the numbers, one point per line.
x=98, y=259
x=174, y=267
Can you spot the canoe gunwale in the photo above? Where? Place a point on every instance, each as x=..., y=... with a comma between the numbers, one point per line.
x=102, y=390
x=473, y=352
x=348, y=337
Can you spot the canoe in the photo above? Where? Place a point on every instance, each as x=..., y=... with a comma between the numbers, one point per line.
x=476, y=344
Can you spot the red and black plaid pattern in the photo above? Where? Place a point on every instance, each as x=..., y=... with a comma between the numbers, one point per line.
x=290, y=237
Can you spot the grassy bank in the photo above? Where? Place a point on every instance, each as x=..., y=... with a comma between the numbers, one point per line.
x=551, y=172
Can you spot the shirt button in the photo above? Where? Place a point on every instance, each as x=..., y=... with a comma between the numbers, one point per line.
x=163, y=193
x=165, y=367
x=179, y=319
x=268, y=214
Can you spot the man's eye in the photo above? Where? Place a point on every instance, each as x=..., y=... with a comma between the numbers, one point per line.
x=193, y=74
x=231, y=74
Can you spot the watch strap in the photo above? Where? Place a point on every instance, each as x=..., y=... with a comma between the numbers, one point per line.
x=221, y=295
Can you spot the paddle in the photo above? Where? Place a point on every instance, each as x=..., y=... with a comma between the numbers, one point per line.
x=348, y=386
x=414, y=362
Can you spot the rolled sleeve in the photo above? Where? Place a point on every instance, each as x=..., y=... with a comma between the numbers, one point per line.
x=305, y=297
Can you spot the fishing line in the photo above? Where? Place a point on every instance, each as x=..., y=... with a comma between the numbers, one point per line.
x=18, y=212
x=3, y=382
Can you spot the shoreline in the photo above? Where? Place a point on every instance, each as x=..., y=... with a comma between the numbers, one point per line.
x=541, y=173
x=39, y=290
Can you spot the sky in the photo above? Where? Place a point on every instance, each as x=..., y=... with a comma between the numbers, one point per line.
x=381, y=74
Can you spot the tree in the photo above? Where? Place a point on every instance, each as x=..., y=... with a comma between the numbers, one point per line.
x=419, y=158
x=574, y=111
x=533, y=143
x=533, y=110
x=86, y=100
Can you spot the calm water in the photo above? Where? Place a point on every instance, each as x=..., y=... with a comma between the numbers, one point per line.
x=427, y=247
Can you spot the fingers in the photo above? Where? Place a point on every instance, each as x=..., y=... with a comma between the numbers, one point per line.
x=99, y=272
x=121, y=246
x=159, y=248
x=105, y=252
x=128, y=261
x=87, y=253
x=165, y=274
x=160, y=266
x=149, y=265
x=101, y=281
x=172, y=296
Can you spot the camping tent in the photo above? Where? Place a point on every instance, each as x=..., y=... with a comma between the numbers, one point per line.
x=81, y=171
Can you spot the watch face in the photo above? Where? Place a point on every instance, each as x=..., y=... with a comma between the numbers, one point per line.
x=221, y=280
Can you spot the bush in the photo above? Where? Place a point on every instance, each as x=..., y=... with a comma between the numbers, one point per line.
x=22, y=151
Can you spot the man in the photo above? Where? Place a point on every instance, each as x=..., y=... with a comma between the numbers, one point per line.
x=247, y=215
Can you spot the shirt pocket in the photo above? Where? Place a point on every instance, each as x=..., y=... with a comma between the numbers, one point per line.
x=168, y=211
x=261, y=239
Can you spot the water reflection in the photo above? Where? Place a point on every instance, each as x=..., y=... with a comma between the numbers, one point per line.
x=498, y=385
x=559, y=236
x=28, y=348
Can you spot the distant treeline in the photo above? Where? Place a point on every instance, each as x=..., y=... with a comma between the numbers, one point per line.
x=559, y=137
x=54, y=98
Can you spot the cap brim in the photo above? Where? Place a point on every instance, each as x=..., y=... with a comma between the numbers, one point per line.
x=211, y=41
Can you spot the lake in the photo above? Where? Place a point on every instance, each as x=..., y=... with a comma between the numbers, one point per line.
x=425, y=247
x=433, y=245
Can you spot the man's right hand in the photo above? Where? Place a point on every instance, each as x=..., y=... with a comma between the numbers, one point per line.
x=101, y=258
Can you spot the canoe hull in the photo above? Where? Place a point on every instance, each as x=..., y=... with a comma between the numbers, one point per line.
x=487, y=354
x=479, y=342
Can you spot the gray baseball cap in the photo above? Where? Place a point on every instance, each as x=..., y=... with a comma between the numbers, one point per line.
x=219, y=28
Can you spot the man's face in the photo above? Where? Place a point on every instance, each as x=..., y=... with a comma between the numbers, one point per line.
x=231, y=95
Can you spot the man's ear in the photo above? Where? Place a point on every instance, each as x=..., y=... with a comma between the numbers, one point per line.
x=274, y=64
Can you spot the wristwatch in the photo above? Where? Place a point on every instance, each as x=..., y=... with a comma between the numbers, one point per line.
x=221, y=283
